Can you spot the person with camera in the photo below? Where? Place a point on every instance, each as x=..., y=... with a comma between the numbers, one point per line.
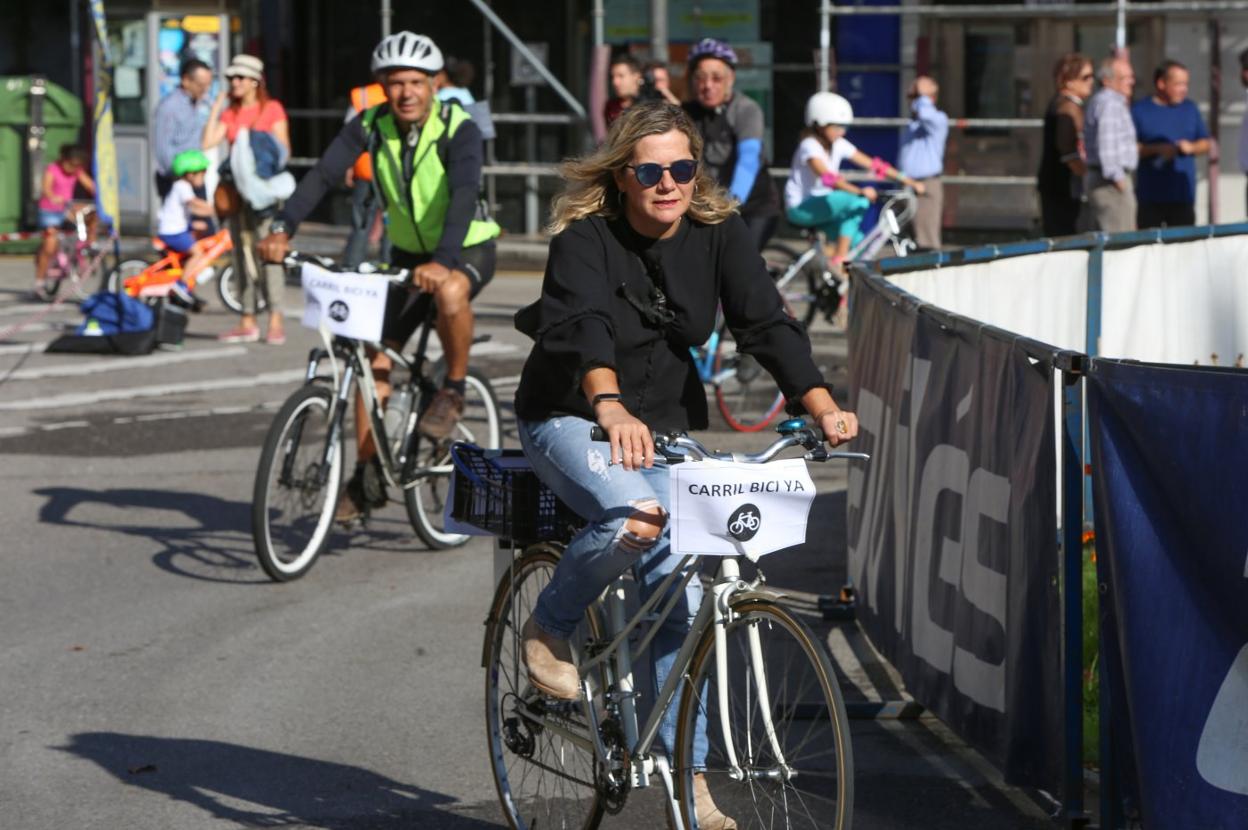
x=631, y=82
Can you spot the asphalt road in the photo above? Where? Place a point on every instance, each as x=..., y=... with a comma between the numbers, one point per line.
x=152, y=677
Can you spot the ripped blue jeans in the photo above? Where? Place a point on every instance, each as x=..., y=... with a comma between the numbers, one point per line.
x=578, y=471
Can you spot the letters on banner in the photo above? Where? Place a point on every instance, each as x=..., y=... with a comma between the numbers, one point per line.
x=727, y=508
x=349, y=305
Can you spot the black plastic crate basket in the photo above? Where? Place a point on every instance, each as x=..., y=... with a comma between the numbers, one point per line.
x=496, y=491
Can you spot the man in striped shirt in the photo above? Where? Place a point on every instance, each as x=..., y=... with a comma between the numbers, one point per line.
x=1113, y=154
x=179, y=121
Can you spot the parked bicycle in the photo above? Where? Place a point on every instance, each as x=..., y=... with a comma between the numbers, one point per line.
x=76, y=259
x=809, y=283
x=300, y=470
x=779, y=744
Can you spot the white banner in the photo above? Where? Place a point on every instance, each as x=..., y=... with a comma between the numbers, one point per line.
x=350, y=305
x=726, y=508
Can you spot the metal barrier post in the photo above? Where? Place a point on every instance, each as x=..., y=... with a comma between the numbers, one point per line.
x=1071, y=544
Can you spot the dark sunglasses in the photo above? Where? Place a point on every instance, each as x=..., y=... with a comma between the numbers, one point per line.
x=650, y=174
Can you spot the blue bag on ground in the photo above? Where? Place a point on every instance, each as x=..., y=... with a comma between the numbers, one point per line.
x=109, y=313
x=114, y=324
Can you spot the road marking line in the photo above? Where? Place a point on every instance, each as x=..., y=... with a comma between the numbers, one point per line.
x=32, y=308
x=88, y=398
x=113, y=363
x=22, y=348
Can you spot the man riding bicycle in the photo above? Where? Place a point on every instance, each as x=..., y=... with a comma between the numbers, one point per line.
x=427, y=159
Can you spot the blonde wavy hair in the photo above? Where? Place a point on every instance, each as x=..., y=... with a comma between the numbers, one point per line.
x=590, y=188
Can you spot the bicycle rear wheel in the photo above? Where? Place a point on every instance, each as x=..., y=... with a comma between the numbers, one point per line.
x=800, y=290
x=543, y=779
x=230, y=290
x=809, y=782
x=292, y=507
x=427, y=474
x=747, y=396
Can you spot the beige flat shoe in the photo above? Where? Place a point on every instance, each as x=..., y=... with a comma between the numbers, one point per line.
x=709, y=816
x=549, y=661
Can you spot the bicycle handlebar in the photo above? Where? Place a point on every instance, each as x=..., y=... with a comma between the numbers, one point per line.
x=395, y=275
x=807, y=436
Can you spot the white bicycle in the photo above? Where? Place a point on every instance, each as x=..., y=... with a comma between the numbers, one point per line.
x=807, y=281
x=779, y=744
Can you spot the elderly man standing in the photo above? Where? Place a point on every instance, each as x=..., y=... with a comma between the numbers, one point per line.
x=1109, y=135
x=922, y=157
x=1171, y=134
x=180, y=119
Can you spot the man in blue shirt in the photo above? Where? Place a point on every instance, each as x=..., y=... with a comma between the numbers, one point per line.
x=1171, y=134
x=179, y=121
x=922, y=157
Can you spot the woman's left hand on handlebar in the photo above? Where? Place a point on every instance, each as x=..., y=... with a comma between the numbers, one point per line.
x=838, y=426
x=870, y=193
x=919, y=188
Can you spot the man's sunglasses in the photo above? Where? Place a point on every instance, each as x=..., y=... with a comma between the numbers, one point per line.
x=650, y=174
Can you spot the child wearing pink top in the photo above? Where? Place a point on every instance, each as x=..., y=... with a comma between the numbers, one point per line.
x=59, y=180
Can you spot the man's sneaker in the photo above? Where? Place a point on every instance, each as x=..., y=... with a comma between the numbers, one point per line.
x=242, y=334
x=364, y=491
x=444, y=412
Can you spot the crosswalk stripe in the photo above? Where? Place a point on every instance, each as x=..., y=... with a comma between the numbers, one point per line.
x=77, y=399
x=114, y=363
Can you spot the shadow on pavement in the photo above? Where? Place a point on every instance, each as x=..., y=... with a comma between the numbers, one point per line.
x=249, y=787
x=216, y=544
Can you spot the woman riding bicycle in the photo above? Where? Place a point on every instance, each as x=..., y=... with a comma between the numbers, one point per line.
x=817, y=195
x=646, y=247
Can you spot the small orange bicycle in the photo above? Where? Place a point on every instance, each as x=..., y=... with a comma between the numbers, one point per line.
x=139, y=278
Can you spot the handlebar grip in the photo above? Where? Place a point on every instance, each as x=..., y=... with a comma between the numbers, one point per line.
x=598, y=434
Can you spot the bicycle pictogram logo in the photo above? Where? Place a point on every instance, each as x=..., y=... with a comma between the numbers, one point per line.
x=744, y=522
x=339, y=311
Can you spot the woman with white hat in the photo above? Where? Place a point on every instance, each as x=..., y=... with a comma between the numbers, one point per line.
x=250, y=107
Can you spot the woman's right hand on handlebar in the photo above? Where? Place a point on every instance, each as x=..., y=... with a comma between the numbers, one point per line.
x=632, y=443
x=274, y=247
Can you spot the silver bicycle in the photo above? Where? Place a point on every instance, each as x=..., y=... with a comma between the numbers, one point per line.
x=807, y=281
x=301, y=464
x=779, y=744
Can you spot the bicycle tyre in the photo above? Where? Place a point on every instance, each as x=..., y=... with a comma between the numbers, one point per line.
x=427, y=472
x=128, y=268
x=800, y=293
x=230, y=290
x=287, y=546
x=528, y=800
x=821, y=794
x=748, y=398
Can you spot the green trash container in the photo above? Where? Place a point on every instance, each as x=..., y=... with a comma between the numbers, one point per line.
x=62, y=123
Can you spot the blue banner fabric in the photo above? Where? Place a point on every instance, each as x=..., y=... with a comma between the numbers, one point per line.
x=953, y=524
x=1170, y=490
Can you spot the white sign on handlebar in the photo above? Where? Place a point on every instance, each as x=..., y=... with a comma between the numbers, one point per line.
x=727, y=508
x=350, y=305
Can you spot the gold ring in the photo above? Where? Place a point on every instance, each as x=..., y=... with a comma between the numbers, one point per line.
x=840, y=427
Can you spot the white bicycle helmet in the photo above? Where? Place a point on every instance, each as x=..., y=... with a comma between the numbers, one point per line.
x=407, y=50
x=825, y=108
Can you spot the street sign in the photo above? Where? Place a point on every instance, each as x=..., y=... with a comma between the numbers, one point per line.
x=522, y=72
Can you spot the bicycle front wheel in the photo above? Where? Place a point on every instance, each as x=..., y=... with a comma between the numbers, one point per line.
x=128, y=268
x=427, y=474
x=747, y=396
x=296, y=490
x=543, y=778
x=786, y=723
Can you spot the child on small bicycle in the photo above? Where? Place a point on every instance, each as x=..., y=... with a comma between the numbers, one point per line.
x=181, y=209
x=56, y=203
x=817, y=195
